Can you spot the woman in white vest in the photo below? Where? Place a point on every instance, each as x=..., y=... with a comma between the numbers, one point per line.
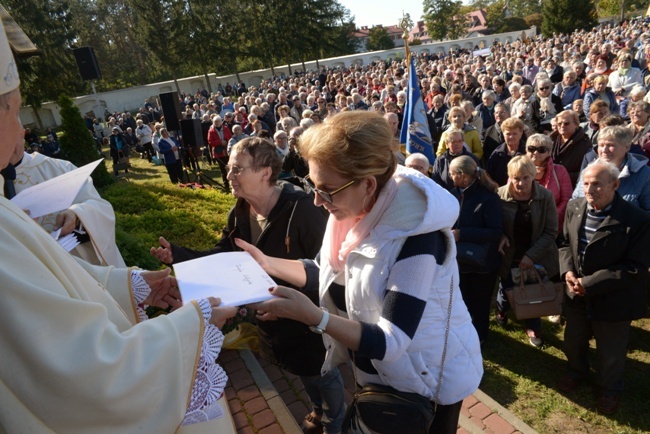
x=386, y=273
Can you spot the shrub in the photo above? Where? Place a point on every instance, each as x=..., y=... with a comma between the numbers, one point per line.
x=77, y=144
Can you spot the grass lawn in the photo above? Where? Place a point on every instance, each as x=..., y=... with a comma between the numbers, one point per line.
x=518, y=376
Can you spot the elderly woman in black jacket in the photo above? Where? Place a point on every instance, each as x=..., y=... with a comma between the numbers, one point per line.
x=477, y=232
x=281, y=220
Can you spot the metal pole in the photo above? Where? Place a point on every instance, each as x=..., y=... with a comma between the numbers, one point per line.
x=97, y=105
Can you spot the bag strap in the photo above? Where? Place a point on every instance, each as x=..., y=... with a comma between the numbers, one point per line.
x=557, y=181
x=436, y=399
x=521, y=278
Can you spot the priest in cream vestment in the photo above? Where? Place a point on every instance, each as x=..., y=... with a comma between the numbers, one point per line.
x=78, y=354
x=94, y=214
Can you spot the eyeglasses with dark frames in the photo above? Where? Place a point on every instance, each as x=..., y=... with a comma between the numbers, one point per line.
x=540, y=149
x=327, y=197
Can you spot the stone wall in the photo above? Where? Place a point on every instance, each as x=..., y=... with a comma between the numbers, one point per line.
x=132, y=98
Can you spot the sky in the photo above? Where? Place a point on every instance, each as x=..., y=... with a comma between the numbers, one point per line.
x=386, y=12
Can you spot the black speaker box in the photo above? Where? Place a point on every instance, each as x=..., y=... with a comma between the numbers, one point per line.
x=171, y=110
x=192, y=132
x=87, y=63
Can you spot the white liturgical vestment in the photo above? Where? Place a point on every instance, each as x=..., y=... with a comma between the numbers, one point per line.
x=95, y=214
x=75, y=359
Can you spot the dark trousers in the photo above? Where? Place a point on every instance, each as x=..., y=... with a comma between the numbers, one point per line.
x=446, y=420
x=222, y=162
x=148, y=150
x=611, y=347
x=175, y=171
x=477, y=292
x=116, y=160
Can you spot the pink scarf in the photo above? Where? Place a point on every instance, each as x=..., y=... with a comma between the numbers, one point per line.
x=345, y=236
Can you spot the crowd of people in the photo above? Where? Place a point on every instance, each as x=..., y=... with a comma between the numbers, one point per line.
x=541, y=163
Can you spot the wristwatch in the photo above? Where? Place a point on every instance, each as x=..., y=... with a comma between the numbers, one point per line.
x=322, y=325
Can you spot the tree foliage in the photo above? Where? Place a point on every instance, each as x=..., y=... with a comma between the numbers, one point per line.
x=47, y=23
x=500, y=21
x=378, y=39
x=444, y=19
x=619, y=8
x=564, y=16
x=77, y=144
x=145, y=41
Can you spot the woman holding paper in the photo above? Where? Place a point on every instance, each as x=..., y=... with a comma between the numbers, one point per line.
x=387, y=274
x=281, y=220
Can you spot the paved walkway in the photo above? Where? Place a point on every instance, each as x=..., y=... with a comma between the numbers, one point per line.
x=264, y=399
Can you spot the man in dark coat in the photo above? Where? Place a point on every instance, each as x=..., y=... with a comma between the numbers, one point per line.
x=604, y=261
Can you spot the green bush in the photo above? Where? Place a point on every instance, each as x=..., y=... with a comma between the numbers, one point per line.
x=77, y=144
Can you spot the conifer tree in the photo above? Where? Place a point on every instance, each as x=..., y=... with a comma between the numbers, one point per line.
x=77, y=144
x=565, y=16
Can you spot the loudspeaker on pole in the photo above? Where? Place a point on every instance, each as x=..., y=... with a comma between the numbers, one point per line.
x=171, y=110
x=87, y=63
x=192, y=132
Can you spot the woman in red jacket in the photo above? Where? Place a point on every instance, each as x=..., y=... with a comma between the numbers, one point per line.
x=218, y=136
x=552, y=176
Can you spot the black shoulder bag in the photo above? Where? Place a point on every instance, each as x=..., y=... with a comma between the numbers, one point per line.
x=381, y=409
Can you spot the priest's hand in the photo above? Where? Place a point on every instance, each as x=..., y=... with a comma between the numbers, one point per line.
x=164, y=289
x=220, y=313
x=67, y=221
x=164, y=252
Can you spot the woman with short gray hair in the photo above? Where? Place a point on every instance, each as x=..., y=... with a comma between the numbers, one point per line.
x=613, y=147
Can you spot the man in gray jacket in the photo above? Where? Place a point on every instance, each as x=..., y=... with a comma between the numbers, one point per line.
x=604, y=261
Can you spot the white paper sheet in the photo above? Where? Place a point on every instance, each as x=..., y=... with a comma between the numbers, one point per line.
x=55, y=194
x=68, y=242
x=234, y=277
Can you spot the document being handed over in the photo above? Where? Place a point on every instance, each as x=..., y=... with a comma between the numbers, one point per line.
x=234, y=277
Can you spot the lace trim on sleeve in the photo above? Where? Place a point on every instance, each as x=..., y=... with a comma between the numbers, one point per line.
x=210, y=379
x=140, y=291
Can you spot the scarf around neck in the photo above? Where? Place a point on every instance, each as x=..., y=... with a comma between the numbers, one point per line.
x=346, y=235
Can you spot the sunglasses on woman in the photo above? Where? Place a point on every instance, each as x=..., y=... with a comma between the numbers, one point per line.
x=327, y=197
x=540, y=149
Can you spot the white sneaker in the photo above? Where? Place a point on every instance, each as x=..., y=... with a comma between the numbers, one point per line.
x=554, y=319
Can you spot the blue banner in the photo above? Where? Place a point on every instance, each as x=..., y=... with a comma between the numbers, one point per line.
x=415, y=127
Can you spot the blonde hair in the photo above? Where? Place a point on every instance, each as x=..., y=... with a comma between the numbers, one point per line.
x=354, y=144
x=570, y=114
x=455, y=110
x=600, y=79
x=523, y=165
x=512, y=124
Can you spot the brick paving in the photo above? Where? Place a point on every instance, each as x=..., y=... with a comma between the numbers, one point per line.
x=264, y=399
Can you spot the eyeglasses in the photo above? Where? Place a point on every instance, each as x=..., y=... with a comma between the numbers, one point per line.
x=562, y=124
x=236, y=170
x=540, y=149
x=327, y=197
x=544, y=88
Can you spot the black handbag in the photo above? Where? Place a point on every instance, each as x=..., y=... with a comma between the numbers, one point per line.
x=381, y=409
x=469, y=253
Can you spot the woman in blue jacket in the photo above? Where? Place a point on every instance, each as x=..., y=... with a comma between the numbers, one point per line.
x=478, y=229
x=171, y=149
